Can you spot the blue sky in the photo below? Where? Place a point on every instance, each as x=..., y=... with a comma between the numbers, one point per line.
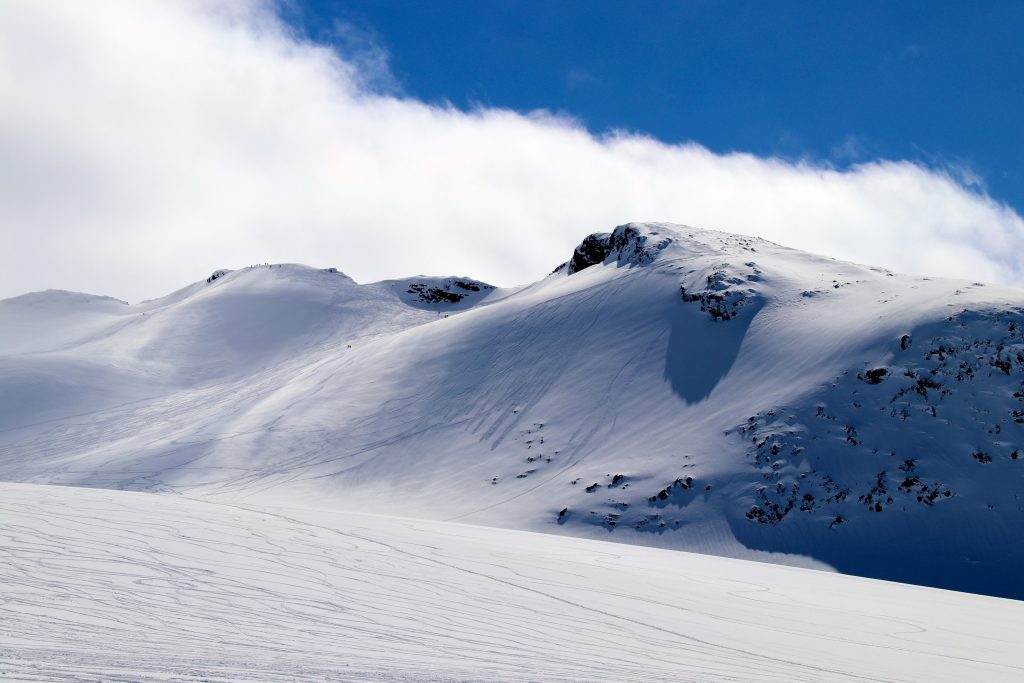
x=937, y=82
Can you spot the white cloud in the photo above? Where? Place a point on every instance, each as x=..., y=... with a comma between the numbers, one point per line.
x=145, y=143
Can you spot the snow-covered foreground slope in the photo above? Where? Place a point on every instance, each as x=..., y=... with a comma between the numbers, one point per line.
x=111, y=585
x=668, y=386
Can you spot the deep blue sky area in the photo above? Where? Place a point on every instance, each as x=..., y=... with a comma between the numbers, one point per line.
x=846, y=81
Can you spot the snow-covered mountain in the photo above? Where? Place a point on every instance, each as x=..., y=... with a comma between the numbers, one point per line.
x=666, y=386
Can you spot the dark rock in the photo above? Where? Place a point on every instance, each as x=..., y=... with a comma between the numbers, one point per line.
x=593, y=250
x=876, y=376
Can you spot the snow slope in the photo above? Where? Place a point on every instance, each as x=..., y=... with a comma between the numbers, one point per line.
x=113, y=585
x=667, y=386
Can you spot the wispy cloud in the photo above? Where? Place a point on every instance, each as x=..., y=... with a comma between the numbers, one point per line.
x=578, y=77
x=144, y=142
x=368, y=62
x=849, y=149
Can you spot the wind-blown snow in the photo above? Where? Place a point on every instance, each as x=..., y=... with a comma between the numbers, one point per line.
x=684, y=388
x=108, y=585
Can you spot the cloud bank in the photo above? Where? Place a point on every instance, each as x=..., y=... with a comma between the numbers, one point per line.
x=145, y=143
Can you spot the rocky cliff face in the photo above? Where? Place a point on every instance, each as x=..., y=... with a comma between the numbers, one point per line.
x=628, y=244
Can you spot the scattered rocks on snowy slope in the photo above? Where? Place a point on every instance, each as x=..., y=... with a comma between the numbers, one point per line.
x=904, y=444
x=441, y=292
x=724, y=292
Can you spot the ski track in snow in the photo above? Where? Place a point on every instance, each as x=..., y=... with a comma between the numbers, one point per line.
x=113, y=585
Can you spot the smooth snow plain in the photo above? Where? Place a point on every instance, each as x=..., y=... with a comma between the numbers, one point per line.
x=122, y=586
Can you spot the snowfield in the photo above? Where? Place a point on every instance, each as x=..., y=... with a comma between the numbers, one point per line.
x=277, y=473
x=112, y=585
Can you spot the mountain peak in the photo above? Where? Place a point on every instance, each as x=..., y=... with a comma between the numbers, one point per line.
x=628, y=244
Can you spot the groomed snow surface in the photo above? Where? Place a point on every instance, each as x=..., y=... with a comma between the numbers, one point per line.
x=121, y=586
